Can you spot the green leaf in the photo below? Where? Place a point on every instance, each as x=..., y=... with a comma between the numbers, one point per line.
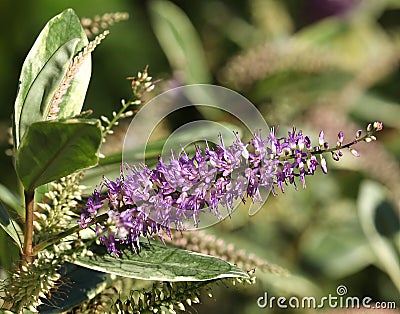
x=9, y=199
x=44, y=67
x=155, y=262
x=53, y=149
x=180, y=41
x=370, y=107
x=9, y=226
x=323, y=32
x=339, y=254
x=8, y=261
x=83, y=284
x=353, y=42
x=371, y=197
x=37, y=102
x=301, y=88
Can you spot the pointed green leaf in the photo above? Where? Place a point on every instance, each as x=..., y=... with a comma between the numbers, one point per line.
x=58, y=42
x=180, y=41
x=155, y=262
x=9, y=226
x=53, y=149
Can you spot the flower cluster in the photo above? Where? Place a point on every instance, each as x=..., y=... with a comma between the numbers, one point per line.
x=72, y=71
x=141, y=84
x=144, y=202
x=93, y=26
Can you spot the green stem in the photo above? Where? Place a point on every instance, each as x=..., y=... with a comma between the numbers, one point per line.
x=28, y=256
x=54, y=239
x=329, y=150
x=116, y=117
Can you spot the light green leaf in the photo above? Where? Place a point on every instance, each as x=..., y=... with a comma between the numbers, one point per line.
x=162, y=263
x=340, y=254
x=371, y=107
x=46, y=61
x=371, y=196
x=299, y=87
x=37, y=102
x=53, y=149
x=354, y=41
x=272, y=18
x=322, y=32
x=9, y=226
x=180, y=41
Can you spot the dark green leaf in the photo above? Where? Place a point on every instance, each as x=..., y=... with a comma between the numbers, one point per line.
x=53, y=149
x=83, y=284
x=9, y=199
x=9, y=226
x=387, y=221
x=44, y=67
x=8, y=261
x=155, y=262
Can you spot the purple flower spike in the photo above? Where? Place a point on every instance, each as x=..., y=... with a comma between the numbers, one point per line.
x=144, y=202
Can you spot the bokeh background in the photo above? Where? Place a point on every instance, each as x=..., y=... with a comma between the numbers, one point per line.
x=316, y=64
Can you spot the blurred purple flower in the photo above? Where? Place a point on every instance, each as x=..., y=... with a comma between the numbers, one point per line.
x=319, y=9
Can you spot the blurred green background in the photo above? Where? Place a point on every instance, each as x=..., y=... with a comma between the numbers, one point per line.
x=316, y=64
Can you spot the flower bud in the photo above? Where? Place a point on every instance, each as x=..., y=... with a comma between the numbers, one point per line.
x=335, y=156
x=354, y=152
x=378, y=126
x=323, y=165
x=321, y=138
x=340, y=138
